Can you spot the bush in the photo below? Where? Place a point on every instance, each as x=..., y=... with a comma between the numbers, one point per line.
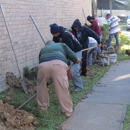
x=105, y=33
x=30, y=74
x=124, y=39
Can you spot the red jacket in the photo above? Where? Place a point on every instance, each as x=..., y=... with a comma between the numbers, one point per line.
x=96, y=27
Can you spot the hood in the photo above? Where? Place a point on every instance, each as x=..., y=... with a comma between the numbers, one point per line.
x=77, y=24
x=62, y=30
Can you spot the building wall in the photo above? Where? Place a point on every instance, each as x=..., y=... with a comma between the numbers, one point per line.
x=26, y=40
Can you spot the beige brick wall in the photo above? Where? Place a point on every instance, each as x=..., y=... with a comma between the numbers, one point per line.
x=26, y=40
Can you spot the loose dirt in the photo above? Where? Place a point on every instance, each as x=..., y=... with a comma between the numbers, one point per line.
x=15, y=83
x=12, y=119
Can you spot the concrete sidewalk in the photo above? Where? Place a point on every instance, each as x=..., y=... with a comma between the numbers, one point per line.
x=105, y=107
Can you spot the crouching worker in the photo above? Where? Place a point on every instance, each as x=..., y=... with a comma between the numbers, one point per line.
x=92, y=53
x=53, y=59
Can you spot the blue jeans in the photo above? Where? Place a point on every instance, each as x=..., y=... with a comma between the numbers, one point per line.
x=90, y=55
x=111, y=37
x=75, y=73
x=99, y=48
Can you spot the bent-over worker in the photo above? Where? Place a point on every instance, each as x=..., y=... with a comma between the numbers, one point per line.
x=53, y=65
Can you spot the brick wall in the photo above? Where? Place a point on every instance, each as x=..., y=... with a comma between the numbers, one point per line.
x=26, y=40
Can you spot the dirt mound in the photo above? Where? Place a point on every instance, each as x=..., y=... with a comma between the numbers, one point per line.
x=15, y=83
x=12, y=119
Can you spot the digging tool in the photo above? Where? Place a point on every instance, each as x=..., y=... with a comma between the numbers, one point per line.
x=31, y=98
x=37, y=29
x=20, y=73
x=89, y=48
x=26, y=102
x=84, y=16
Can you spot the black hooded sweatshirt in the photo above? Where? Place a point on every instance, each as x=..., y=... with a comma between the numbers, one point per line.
x=85, y=33
x=69, y=39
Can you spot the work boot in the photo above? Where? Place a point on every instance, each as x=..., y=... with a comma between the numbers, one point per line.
x=117, y=49
x=95, y=60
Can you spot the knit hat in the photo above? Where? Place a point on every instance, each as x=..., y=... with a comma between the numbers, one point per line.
x=90, y=18
x=54, y=28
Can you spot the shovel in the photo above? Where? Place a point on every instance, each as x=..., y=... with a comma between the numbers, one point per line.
x=20, y=73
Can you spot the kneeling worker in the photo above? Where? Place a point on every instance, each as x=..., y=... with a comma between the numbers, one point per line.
x=53, y=65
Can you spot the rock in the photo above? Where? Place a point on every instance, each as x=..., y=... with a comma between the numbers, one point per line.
x=28, y=120
x=36, y=123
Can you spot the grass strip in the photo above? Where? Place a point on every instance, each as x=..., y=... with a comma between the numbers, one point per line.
x=53, y=118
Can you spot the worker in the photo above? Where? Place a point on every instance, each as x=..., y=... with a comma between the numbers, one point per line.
x=61, y=34
x=113, y=22
x=96, y=28
x=92, y=43
x=82, y=33
x=53, y=65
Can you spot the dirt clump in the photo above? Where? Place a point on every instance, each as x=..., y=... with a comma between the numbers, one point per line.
x=15, y=83
x=13, y=119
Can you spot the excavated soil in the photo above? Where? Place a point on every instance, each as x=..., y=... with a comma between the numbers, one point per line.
x=15, y=83
x=12, y=119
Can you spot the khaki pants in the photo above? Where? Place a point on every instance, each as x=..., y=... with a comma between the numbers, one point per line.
x=57, y=71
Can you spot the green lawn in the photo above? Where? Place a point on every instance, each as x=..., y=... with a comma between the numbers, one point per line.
x=126, y=125
x=53, y=117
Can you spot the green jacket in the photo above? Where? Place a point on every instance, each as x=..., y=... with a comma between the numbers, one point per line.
x=57, y=51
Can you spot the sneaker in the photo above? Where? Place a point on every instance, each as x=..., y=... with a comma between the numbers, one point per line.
x=77, y=89
x=69, y=114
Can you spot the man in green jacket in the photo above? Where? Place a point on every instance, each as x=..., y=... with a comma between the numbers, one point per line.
x=53, y=65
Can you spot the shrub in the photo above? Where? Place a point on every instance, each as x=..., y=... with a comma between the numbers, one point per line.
x=30, y=74
x=124, y=39
x=105, y=33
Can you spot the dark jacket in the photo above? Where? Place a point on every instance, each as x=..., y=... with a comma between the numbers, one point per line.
x=59, y=51
x=85, y=33
x=69, y=39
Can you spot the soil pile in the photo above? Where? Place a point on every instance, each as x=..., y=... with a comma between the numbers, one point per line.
x=15, y=83
x=12, y=119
